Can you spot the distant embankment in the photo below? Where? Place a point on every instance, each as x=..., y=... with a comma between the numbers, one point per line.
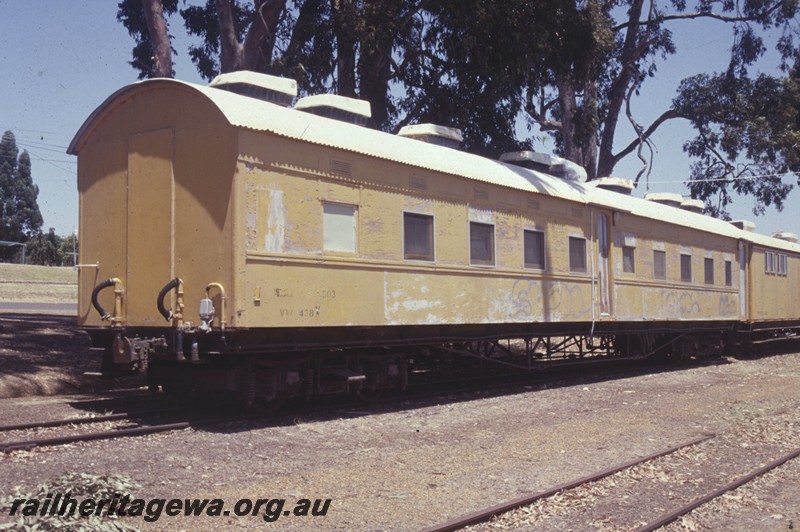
x=24, y=283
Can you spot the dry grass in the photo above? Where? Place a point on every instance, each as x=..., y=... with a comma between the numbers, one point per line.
x=43, y=284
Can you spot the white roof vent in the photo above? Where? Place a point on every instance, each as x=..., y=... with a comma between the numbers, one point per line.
x=693, y=205
x=620, y=185
x=281, y=91
x=785, y=235
x=449, y=137
x=665, y=198
x=546, y=163
x=337, y=107
x=745, y=225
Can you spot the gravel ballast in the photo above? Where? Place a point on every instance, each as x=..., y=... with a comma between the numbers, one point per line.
x=422, y=464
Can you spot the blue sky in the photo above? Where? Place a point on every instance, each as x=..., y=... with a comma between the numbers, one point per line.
x=61, y=59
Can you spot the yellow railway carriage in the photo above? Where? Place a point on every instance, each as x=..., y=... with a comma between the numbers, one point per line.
x=274, y=251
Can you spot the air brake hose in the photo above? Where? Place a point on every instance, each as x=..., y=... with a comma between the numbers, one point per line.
x=161, y=295
x=104, y=315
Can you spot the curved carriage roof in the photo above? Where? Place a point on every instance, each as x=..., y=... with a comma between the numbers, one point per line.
x=249, y=113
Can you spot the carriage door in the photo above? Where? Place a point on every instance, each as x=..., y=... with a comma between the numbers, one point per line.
x=150, y=224
x=742, y=281
x=603, y=239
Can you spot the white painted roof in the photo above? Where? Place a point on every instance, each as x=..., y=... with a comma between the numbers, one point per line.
x=265, y=81
x=612, y=181
x=693, y=205
x=244, y=112
x=343, y=103
x=422, y=130
x=668, y=198
x=785, y=235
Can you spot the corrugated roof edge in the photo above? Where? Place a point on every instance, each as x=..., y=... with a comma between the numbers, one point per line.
x=297, y=125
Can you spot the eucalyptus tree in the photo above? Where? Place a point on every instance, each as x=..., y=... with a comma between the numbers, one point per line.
x=567, y=69
x=20, y=217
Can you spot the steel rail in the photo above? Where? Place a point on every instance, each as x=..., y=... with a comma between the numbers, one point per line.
x=672, y=516
x=75, y=421
x=487, y=513
x=155, y=413
x=26, y=445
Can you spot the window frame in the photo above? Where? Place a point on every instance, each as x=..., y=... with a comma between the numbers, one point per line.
x=684, y=263
x=491, y=247
x=728, y=273
x=663, y=255
x=783, y=264
x=426, y=257
x=632, y=250
x=708, y=270
x=585, y=267
x=326, y=227
x=531, y=265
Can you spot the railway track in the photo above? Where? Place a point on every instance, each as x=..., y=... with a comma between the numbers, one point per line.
x=139, y=426
x=83, y=420
x=458, y=388
x=503, y=512
x=27, y=445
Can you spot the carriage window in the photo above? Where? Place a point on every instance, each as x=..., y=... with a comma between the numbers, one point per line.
x=577, y=254
x=628, y=259
x=417, y=236
x=709, y=270
x=782, y=264
x=659, y=264
x=769, y=258
x=728, y=274
x=339, y=227
x=534, y=249
x=686, y=268
x=481, y=243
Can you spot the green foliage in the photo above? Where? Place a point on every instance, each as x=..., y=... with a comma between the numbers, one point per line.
x=44, y=249
x=748, y=131
x=569, y=68
x=68, y=249
x=80, y=486
x=20, y=217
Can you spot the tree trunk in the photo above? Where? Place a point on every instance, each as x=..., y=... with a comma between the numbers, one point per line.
x=590, y=129
x=256, y=52
x=259, y=43
x=619, y=87
x=230, y=55
x=569, y=110
x=343, y=26
x=159, y=38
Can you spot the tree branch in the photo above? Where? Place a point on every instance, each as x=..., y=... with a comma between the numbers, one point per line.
x=540, y=116
x=692, y=16
x=665, y=116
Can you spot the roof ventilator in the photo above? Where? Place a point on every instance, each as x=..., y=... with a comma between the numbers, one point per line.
x=785, y=235
x=745, y=225
x=336, y=107
x=665, y=198
x=448, y=137
x=621, y=185
x=693, y=205
x=544, y=162
x=273, y=89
